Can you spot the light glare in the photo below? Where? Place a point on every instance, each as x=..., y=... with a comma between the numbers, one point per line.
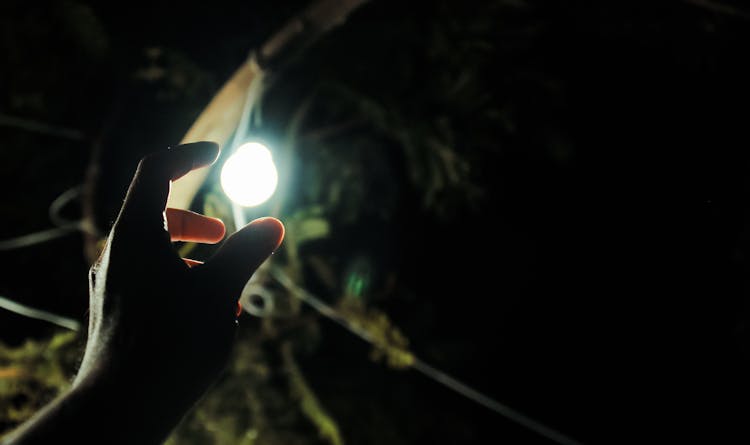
x=249, y=176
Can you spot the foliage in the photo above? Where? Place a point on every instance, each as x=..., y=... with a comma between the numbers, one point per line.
x=33, y=374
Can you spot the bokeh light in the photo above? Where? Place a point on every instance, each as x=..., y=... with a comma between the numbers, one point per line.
x=249, y=176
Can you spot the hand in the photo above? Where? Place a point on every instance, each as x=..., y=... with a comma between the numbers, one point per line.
x=158, y=326
x=159, y=331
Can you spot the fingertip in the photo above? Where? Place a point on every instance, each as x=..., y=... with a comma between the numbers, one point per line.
x=198, y=145
x=204, y=152
x=271, y=228
x=243, y=252
x=209, y=153
x=219, y=230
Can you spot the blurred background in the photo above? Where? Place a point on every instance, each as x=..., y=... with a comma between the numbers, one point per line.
x=545, y=200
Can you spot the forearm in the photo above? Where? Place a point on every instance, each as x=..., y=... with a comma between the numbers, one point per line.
x=103, y=411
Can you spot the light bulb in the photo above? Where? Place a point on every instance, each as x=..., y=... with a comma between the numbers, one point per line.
x=249, y=176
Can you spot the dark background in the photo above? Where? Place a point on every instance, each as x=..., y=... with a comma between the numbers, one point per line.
x=593, y=277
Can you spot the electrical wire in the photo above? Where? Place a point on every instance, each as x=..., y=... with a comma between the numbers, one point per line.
x=39, y=314
x=41, y=127
x=424, y=368
x=487, y=402
x=252, y=98
x=65, y=227
x=42, y=236
x=59, y=204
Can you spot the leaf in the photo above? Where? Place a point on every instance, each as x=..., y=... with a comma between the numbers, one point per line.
x=311, y=229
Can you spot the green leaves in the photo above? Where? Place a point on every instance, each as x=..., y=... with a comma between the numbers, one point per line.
x=307, y=225
x=34, y=373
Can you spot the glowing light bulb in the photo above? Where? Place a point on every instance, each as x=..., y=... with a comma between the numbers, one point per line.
x=249, y=176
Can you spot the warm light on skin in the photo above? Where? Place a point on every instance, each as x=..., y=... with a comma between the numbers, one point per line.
x=249, y=176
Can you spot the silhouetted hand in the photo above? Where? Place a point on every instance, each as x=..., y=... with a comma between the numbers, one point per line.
x=161, y=327
x=153, y=316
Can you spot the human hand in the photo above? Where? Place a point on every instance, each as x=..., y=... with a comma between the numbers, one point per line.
x=160, y=329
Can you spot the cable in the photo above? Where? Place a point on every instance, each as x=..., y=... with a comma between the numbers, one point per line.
x=41, y=127
x=30, y=240
x=39, y=314
x=65, y=227
x=487, y=402
x=60, y=202
x=37, y=237
x=252, y=97
x=427, y=370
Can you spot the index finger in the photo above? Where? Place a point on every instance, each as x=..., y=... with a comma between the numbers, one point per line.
x=149, y=190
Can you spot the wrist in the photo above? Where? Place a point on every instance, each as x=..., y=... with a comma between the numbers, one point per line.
x=101, y=407
x=116, y=399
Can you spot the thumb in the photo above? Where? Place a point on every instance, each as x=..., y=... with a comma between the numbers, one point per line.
x=242, y=253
